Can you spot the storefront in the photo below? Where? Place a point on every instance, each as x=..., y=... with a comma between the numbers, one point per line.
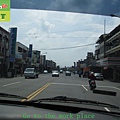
x=110, y=67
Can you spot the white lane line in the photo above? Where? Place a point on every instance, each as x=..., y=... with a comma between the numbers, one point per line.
x=116, y=88
x=109, y=87
x=106, y=87
x=11, y=84
x=72, y=84
x=87, y=85
x=106, y=109
x=67, y=84
x=84, y=87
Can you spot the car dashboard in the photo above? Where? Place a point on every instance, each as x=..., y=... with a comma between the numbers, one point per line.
x=49, y=112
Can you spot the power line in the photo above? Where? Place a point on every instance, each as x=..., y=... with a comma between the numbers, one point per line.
x=69, y=47
x=65, y=31
x=60, y=37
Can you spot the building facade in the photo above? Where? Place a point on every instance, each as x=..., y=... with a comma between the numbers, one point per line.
x=110, y=63
x=51, y=65
x=36, y=59
x=42, y=63
x=21, y=57
x=4, y=51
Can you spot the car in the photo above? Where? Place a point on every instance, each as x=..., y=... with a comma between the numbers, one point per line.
x=98, y=76
x=55, y=73
x=31, y=73
x=45, y=71
x=61, y=71
x=68, y=73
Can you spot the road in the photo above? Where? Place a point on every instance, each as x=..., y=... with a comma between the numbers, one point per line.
x=48, y=86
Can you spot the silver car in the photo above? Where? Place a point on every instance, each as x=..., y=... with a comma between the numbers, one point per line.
x=98, y=76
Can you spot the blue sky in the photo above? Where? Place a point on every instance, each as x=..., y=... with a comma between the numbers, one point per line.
x=50, y=29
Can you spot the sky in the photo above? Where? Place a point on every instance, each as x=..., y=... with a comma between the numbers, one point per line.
x=52, y=29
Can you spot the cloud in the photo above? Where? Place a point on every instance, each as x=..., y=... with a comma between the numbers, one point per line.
x=46, y=26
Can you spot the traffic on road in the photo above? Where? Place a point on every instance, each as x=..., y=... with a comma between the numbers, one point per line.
x=59, y=59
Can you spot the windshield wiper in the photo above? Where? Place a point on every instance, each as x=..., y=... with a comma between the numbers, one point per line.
x=11, y=96
x=73, y=100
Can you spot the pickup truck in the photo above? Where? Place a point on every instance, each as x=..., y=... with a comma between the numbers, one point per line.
x=31, y=73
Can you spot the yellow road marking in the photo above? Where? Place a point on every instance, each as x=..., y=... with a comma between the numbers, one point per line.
x=31, y=96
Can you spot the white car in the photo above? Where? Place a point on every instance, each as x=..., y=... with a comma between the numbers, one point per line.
x=45, y=72
x=98, y=76
x=61, y=71
x=68, y=73
x=55, y=73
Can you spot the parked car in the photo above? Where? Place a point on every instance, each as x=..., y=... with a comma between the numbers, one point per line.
x=45, y=71
x=55, y=73
x=68, y=73
x=31, y=73
x=98, y=76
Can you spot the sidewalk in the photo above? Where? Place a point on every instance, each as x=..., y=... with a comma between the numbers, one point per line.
x=117, y=81
x=19, y=75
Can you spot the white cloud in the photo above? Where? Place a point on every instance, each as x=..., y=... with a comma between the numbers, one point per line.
x=48, y=29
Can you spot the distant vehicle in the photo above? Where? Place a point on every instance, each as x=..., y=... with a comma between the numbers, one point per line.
x=61, y=71
x=98, y=76
x=31, y=73
x=68, y=73
x=86, y=74
x=45, y=71
x=55, y=73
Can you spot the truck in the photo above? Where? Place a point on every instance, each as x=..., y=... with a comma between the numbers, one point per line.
x=31, y=72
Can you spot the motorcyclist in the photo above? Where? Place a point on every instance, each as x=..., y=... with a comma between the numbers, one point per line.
x=91, y=79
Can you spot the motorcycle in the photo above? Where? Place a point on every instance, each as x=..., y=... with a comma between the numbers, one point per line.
x=92, y=84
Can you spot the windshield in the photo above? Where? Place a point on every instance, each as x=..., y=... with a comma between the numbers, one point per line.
x=54, y=41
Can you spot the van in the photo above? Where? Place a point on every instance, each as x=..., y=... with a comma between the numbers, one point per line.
x=31, y=73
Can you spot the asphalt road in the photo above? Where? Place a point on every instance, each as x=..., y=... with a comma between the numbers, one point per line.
x=47, y=86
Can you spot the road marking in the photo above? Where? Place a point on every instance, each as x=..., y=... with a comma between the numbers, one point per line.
x=72, y=84
x=34, y=94
x=110, y=87
x=11, y=84
x=107, y=87
x=84, y=87
x=67, y=84
x=106, y=109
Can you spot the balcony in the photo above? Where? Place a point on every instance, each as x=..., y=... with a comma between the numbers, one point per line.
x=112, y=50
